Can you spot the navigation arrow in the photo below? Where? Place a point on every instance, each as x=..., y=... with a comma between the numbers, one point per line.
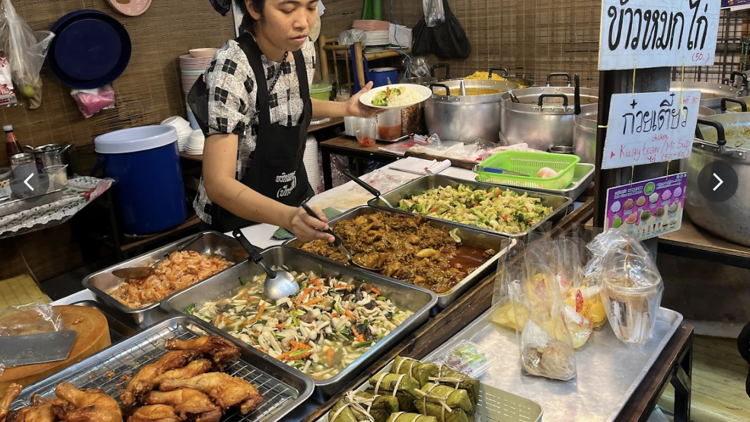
x=721, y=182
x=26, y=182
x=613, y=154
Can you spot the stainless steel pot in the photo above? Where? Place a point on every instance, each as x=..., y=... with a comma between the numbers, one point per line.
x=465, y=118
x=543, y=117
x=584, y=131
x=729, y=219
x=711, y=94
x=52, y=155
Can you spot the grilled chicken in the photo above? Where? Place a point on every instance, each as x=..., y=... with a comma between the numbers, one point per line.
x=10, y=394
x=224, y=389
x=187, y=402
x=155, y=413
x=39, y=411
x=196, y=367
x=218, y=349
x=143, y=381
x=91, y=405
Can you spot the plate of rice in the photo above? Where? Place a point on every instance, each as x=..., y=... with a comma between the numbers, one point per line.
x=395, y=96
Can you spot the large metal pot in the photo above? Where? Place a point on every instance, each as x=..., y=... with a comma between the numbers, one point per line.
x=465, y=118
x=542, y=117
x=522, y=82
x=729, y=219
x=711, y=94
x=584, y=131
x=52, y=155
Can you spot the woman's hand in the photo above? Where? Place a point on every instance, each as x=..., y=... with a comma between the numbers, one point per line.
x=307, y=228
x=355, y=108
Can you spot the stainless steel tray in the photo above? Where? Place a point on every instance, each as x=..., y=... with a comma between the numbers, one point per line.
x=558, y=203
x=282, y=387
x=582, y=176
x=11, y=205
x=404, y=295
x=472, y=236
x=102, y=282
x=608, y=370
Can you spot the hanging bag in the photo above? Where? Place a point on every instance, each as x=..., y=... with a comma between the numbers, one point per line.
x=447, y=40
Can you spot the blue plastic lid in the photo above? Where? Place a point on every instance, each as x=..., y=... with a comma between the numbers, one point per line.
x=135, y=139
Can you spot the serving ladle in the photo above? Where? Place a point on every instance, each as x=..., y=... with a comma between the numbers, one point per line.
x=279, y=283
x=338, y=243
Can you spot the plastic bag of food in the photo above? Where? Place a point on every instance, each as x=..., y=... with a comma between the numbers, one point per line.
x=26, y=50
x=32, y=318
x=508, y=297
x=434, y=13
x=92, y=101
x=546, y=345
x=632, y=286
x=7, y=92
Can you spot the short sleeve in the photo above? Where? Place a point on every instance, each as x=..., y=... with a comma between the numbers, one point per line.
x=231, y=91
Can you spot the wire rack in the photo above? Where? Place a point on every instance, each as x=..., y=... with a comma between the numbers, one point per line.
x=111, y=374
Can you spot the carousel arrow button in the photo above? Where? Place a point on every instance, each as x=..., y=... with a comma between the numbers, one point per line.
x=718, y=181
x=26, y=182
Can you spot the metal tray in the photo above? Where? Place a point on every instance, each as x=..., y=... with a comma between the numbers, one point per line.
x=11, y=205
x=282, y=387
x=608, y=370
x=494, y=405
x=558, y=203
x=582, y=176
x=404, y=295
x=471, y=236
x=102, y=282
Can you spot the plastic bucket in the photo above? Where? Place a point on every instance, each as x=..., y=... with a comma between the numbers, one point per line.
x=321, y=91
x=379, y=76
x=145, y=163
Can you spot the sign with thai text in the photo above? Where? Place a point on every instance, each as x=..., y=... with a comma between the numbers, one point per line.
x=651, y=127
x=658, y=33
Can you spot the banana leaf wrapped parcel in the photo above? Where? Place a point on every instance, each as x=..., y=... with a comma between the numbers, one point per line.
x=402, y=386
x=363, y=406
x=452, y=397
x=455, y=379
x=421, y=371
x=410, y=417
x=442, y=412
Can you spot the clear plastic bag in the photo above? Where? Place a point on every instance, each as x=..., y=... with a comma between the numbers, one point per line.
x=434, y=13
x=26, y=51
x=92, y=101
x=32, y=318
x=7, y=92
x=351, y=36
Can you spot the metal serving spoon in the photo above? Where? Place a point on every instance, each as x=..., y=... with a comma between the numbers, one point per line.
x=338, y=243
x=143, y=272
x=367, y=187
x=279, y=283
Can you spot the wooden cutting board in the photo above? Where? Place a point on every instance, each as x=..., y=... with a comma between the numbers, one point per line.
x=92, y=335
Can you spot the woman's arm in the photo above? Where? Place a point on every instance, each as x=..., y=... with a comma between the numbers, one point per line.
x=219, y=166
x=352, y=107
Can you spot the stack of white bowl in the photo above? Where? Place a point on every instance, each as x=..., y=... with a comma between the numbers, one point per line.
x=312, y=165
x=195, y=143
x=193, y=65
x=183, y=129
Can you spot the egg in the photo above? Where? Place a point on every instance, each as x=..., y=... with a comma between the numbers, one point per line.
x=546, y=173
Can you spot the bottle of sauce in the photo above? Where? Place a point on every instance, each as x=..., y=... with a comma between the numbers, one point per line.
x=11, y=143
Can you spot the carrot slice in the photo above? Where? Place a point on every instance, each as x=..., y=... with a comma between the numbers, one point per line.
x=349, y=314
x=357, y=335
x=313, y=302
x=260, y=312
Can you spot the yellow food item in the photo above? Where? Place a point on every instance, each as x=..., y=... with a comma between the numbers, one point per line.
x=485, y=76
x=469, y=91
x=510, y=315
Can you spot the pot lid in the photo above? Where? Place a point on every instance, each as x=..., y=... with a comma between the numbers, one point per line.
x=135, y=139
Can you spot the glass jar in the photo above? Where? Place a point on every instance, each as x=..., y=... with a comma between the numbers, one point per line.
x=21, y=159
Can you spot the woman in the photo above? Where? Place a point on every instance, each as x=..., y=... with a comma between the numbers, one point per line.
x=258, y=113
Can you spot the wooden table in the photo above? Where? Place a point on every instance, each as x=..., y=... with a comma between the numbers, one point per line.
x=672, y=366
x=692, y=241
x=349, y=147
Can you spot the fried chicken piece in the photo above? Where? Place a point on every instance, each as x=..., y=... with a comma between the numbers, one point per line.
x=224, y=389
x=187, y=402
x=218, y=349
x=39, y=411
x=196, y=367
x=143, y=381
x=155, y=413
x=91, y=405
x=10, y=394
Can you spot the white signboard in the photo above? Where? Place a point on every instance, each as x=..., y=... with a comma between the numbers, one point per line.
x=650, y=128
x=658, y=33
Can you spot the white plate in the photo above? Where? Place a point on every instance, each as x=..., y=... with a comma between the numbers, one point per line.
x=422, y=91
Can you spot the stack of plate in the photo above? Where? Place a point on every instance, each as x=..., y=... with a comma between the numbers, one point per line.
x=312, y=165
x=195, y=143
x=183, y=129
x=370, y=25
x=192, y=68
x=377, y=38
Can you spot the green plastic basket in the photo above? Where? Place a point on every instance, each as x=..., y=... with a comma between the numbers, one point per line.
x=530, y=163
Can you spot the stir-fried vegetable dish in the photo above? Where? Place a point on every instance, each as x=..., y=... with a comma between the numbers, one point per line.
x=494, y=209
x=320, y=330
x=406, y=247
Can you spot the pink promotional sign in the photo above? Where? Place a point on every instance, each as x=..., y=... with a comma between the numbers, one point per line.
x=647, y=209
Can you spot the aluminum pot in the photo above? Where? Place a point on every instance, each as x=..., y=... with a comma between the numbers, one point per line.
x=729, y=219
x=542, y=117
x=584, y=131
x=465, y=118
x=52, y=155
x=711, y=94
x=522, y=82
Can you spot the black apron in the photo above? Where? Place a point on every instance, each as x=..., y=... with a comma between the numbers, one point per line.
x=276, y=169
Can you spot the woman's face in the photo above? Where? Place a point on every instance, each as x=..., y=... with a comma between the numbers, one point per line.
x=286, y=23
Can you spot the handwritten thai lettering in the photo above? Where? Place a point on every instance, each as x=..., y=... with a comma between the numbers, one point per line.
x=667, y=116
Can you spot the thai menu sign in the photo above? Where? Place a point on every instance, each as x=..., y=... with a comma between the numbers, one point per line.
x=658, y=33
x=651, y=127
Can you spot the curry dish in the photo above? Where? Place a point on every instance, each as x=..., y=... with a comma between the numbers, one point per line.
x=181, y=270
x=408, y=248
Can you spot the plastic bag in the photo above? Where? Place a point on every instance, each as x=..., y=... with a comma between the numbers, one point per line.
x=92, y=101
x=351, y=36
x=26, y=51
x=32, y=318
x=434, y=14
x=416, y=67
x=7, y=92
x=631, y=286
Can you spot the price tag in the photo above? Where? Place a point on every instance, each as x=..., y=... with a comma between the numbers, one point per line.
x=646, y=128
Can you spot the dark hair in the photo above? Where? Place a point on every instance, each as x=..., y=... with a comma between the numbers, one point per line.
x=248, y=22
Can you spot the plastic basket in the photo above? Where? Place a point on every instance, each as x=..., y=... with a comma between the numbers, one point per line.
x=530, y=163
